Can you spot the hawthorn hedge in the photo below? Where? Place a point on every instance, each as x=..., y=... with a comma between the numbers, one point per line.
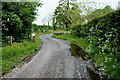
x=103, y=33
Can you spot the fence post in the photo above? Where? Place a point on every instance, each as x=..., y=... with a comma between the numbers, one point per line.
x=33, y=37
x=10, y=40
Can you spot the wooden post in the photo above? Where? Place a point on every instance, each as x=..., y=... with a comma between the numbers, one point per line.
x=34, y=39
x=10, y=40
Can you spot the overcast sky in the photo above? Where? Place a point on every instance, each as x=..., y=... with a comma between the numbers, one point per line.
x=49, y=6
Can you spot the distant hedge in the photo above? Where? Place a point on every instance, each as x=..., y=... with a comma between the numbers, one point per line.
x=41, y=28
x=104, y=35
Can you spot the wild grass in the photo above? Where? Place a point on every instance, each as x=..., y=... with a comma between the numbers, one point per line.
x=13, y=55
x=83, y=43
x=107, y=62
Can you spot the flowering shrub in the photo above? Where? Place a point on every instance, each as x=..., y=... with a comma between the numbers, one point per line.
x=103, y=33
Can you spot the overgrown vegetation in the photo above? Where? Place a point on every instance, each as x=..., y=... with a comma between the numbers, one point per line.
x=97, y=32
x=83, y=43
x=100, y=39
x=17, y=18
x=103, y=34
x=13, y=55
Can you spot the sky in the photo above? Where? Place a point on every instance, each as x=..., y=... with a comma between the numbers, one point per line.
x=49, y=6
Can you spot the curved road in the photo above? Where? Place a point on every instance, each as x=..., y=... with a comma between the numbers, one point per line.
x=54, y=60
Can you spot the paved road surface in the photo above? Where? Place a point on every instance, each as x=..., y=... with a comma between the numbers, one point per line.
x=54, y=60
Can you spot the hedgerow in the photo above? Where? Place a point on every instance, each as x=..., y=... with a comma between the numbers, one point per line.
x=103, y=35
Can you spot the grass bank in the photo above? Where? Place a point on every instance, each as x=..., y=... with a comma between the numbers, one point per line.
x=111, y=66
x=83, y=43
x=13, y=55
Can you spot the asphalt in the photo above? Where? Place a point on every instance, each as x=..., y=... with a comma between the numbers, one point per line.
x=53, y=60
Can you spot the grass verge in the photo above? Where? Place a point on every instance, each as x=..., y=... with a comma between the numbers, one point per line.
x=83, y=43
x=13, y=55
x=106, y=62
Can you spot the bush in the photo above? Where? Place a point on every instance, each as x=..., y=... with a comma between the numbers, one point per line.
x=84, y=30
x=103, y=35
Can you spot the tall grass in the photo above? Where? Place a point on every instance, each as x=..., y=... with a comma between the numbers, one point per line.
x=13, y=55
x=83, y=43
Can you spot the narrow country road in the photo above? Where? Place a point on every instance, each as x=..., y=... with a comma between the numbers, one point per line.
x=54, y=60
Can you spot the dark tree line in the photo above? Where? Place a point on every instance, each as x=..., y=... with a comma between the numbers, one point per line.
x=17, y=18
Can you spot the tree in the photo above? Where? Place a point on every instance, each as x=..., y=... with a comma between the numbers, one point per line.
x=67, y=14
x=61, y=14
x=99, y=13
x=17, y=18
x=75, y=17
